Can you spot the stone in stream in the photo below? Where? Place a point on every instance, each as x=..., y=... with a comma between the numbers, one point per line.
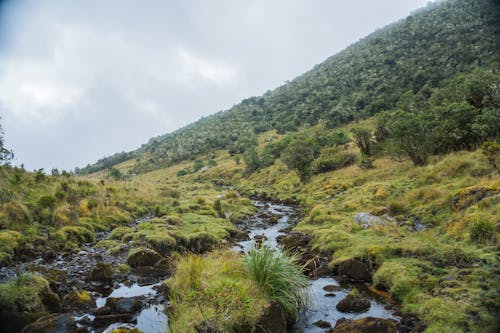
x=355, y=270
x=294, y=240
x=364, y=325
x=142, y=257
x=101, y=321
x=353, y=304
x=330, y=295
x=78, y=300
x=102, y=273
x=322, y=324
x=332, y=288
x=53, y=323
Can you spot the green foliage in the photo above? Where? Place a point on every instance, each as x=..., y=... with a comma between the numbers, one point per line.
x=332, y=159
x=213, y=293
x=252, y=160
x=363, y=139
x=299, y=156
x=492, y=152
x=482, y=231
x=115, y=174
x=280, y=277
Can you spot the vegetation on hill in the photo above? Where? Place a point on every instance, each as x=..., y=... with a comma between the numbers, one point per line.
x=417, y=54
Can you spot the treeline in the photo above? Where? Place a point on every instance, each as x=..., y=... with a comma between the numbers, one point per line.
x=417, y=54
x=463, y=115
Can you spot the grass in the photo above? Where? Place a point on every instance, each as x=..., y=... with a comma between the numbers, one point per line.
x=214, y=292
x=279, y=277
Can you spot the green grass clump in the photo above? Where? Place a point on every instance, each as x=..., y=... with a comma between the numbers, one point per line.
x=279, y=277
x=119, y=232
x=25, y=294
x=216, y=292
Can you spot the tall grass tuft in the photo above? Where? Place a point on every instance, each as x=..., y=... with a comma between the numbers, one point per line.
x=278, y=275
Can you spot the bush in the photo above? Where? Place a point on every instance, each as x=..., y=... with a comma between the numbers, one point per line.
x=481, y=231
x=332, y=160
x=280, y=277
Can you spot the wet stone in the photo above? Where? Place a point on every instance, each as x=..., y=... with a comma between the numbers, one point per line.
x=331, y=288
x=322, y=324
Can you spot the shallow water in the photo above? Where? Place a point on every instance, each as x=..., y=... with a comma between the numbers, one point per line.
x=321, y=307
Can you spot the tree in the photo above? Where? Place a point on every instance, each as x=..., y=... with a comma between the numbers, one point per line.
x=412, y=131
x=298, y=156
x=5, y=154
x=363, y=139
x=115, y=174
x=252, y=160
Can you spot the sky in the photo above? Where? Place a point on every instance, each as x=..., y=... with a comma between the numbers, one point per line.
x=84, y=79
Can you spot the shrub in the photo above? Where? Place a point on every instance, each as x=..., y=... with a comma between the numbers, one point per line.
x=481, y=231
x=280, y=277
x=331, y=159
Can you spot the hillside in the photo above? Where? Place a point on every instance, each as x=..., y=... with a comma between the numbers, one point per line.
x=418, y=53
x=373, y=179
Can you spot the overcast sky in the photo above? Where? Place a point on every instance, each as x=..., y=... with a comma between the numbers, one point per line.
x=83, y=79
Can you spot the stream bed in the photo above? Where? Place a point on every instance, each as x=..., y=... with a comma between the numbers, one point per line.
x=147, y=304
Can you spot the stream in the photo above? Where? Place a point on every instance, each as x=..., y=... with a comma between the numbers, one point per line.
x=271, y=221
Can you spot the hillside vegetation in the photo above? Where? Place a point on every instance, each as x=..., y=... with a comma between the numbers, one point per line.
x=418, y=53
x=402, y=127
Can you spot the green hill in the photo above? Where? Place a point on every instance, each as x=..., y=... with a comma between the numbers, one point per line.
x=417, y=54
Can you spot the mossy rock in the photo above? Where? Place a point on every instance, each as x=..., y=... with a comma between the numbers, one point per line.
x=365, y=325
x=353, y=304
x=471, y=195
x=78, y=300
x=102, y=272
x=118, y=233
x=355, y=270
x=53, y=323
x=142, y=257
x=126, y=330
x=28, y=293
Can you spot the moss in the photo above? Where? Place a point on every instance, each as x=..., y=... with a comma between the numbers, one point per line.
x=76, y=234
x=27, y=293
x=119, y=232
x=142, y=257
x=78, y=300
x=9, y=241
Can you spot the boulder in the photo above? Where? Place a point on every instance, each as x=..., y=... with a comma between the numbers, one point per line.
x=367, y=220
x=332, y=288
x=353, y=304
x=78, y=300
x=295, y=240
x=322, y=324
x=238, y=235
x=365, y=325
x=128, y=305
x=274, y=320
x=102, y=273
x=471, y=195
x=53, y=323
x=354, y=270
x=101, y=321
x=143, y=257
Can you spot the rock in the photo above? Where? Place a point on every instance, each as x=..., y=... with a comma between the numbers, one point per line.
x=471, y=195
x=353, y=304
x=102, y=273
x=53, y=323
x=143, y=257
x=295, y=240
x=239, y=235
x=365, y=325
x=367, y=220
x=332, y=287
x=78, y=300
x=274, y=320
x=354, y=270
x=322, y=324
x=330, y=295
x=102, y=311
x=127, y=305
x=101, y=321
x=51, y=301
